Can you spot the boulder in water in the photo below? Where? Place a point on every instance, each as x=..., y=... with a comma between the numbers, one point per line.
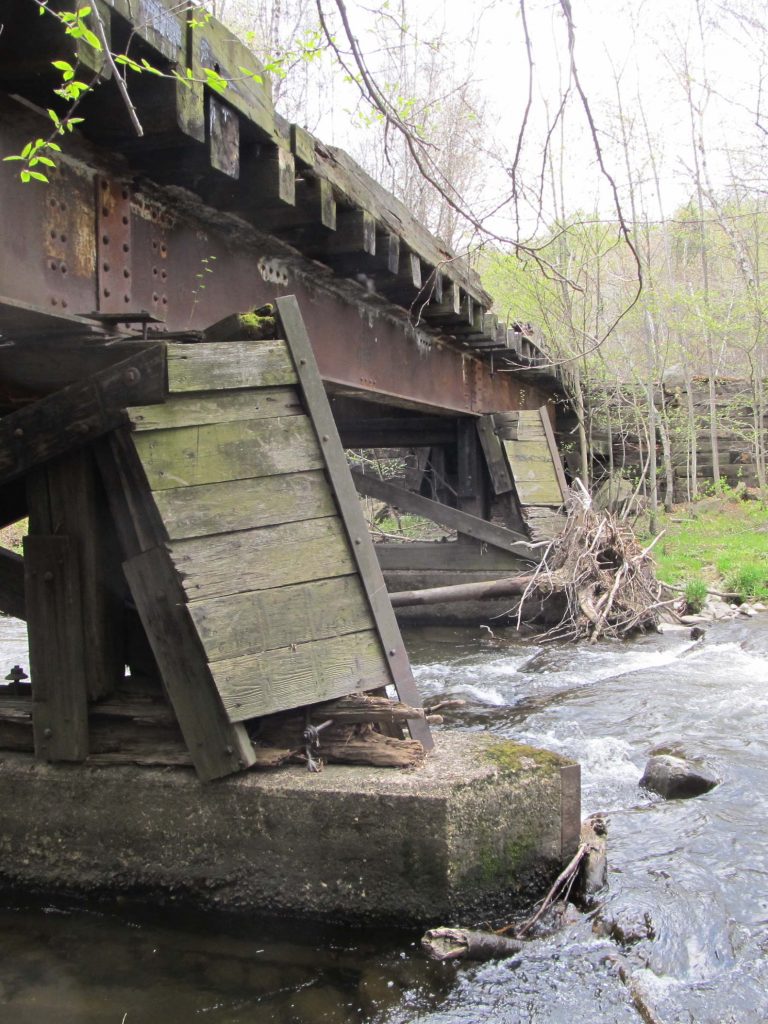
x=675, y=778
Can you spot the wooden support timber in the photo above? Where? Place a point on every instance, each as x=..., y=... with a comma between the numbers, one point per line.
x=453, y=518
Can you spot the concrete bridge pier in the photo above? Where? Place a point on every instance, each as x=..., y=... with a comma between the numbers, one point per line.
x=480, y=827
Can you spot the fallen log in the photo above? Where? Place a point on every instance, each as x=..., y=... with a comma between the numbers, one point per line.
x=464, y=944
x=510, y=586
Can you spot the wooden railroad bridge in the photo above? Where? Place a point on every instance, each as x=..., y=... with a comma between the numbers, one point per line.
x=191, y=511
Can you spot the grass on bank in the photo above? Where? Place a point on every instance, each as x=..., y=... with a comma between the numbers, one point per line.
x=718, y=542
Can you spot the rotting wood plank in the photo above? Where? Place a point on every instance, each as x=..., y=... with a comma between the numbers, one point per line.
x=12, y=584
x=56, y=648
x=76, y=508
x=80, y=412
x=536, y=482
x=447, y=557
x=219, y=366
x=186, y=456
x=316, y=402
x=452, y=518
x=272, y=556
x=301, y=674
x=501, y=477
x=213, y=407
x=134, y=513
x=557, y=462
x=232, y=505
x=253, y=622
x=216, y=746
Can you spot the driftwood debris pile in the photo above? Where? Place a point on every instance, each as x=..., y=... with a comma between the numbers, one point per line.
x=606, y=580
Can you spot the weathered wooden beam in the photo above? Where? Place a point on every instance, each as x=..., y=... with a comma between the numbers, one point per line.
x=498, y=467
x=223, y=138
x=12, y=600
x=434, y=556
x=56, y=648
x=314, y=211
x=452, y=518
x=355, y=234
x=216, y=746
x=66, y=498
x=81, y=412
x=269, y=179
x=485, y=591
x=316, y=402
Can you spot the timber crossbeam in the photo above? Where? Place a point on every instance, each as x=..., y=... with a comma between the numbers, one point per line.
x=81, y=412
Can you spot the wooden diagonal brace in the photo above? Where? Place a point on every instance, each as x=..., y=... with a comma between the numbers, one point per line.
x=446, y=516
x=80, y=412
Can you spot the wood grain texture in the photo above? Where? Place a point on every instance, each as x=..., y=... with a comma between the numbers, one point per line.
x=217, y=748
x=259, y=621
x=431, y=555
x=187, y=456
x=56, y=648
x=231, y=505
x=355, y=527
x=501, y=478
x=533, y=469
x=215, y=407
x=232, y=364
x=80, y=412
x=294, y=676
x=273, y=556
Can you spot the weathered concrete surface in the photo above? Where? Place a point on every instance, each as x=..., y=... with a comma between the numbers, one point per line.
x=480, y=826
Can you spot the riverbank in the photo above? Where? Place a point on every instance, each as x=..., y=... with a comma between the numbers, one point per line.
x=718, y=543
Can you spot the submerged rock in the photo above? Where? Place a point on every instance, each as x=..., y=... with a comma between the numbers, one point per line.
x=676, y=779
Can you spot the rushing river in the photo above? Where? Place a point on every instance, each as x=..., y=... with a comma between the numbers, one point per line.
x=688, y=883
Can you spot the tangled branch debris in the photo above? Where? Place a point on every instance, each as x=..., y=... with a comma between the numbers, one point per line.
x=606, y=580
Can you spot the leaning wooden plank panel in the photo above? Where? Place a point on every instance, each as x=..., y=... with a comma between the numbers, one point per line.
x=217, y=747
x=299, y=675
x=234, y=364
x=215, y=407
x=273, y=556
x=231, y=505
x=250, y=623
x=187, y=456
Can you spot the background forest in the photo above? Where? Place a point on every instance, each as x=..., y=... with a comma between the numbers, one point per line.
x=604, y=167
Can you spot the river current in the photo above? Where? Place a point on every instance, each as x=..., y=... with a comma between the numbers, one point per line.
x=686, y=909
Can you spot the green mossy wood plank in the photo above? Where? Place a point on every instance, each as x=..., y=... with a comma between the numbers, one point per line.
x=215, y=407
x=244, y=504
x=274, y=556
x=187, y=456
x=237, y=364
x=534, y=472
x=556, y=459
x=254, y=622
x=56, y=648
x=216, y=746
x=357, y=538
x=304, y=674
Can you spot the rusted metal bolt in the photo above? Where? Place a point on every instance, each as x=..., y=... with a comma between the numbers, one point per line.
x=392, y=652
x=16, y=674
x=48, y=576
x=132, y=375
x=18, y=432
x=47, y=733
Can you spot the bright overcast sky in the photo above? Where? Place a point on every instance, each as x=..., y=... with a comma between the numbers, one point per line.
x=640, y=40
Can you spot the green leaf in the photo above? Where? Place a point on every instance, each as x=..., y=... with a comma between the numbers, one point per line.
x=54, y=117
x=44, y=160
x=6, y=159
x=25, y=175
x=37, y=175
x=91, y=38
x=254, y=75
x=84, y=12
x=214, y=80
x=66, y=69
x=150, y=68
